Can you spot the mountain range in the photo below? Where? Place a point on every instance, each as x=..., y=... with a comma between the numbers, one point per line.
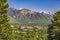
x=26, y=16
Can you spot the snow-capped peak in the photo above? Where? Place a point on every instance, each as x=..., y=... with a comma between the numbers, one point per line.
x=20, y=8
x=46, y=12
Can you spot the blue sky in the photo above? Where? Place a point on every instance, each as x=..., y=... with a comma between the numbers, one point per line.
x=36, y=5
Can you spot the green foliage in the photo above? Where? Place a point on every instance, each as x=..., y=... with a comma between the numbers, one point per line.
x=6, y=33
x=54, y=28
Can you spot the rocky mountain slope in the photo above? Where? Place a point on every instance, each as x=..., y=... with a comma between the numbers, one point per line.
x=26, y=16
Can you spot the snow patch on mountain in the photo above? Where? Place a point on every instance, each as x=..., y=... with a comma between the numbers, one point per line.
x=20, y=8
x=46, y=12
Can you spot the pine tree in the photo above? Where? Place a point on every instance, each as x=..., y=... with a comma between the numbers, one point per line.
x=54, y=28
x=6, y=33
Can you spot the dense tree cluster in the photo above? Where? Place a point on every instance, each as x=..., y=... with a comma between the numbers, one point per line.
x=6, y=33
x=54, y=28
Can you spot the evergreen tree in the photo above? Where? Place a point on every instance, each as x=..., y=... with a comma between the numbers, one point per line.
x=54, y=28
x=6, y=33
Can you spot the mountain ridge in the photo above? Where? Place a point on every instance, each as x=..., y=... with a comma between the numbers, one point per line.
x=29, y=16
